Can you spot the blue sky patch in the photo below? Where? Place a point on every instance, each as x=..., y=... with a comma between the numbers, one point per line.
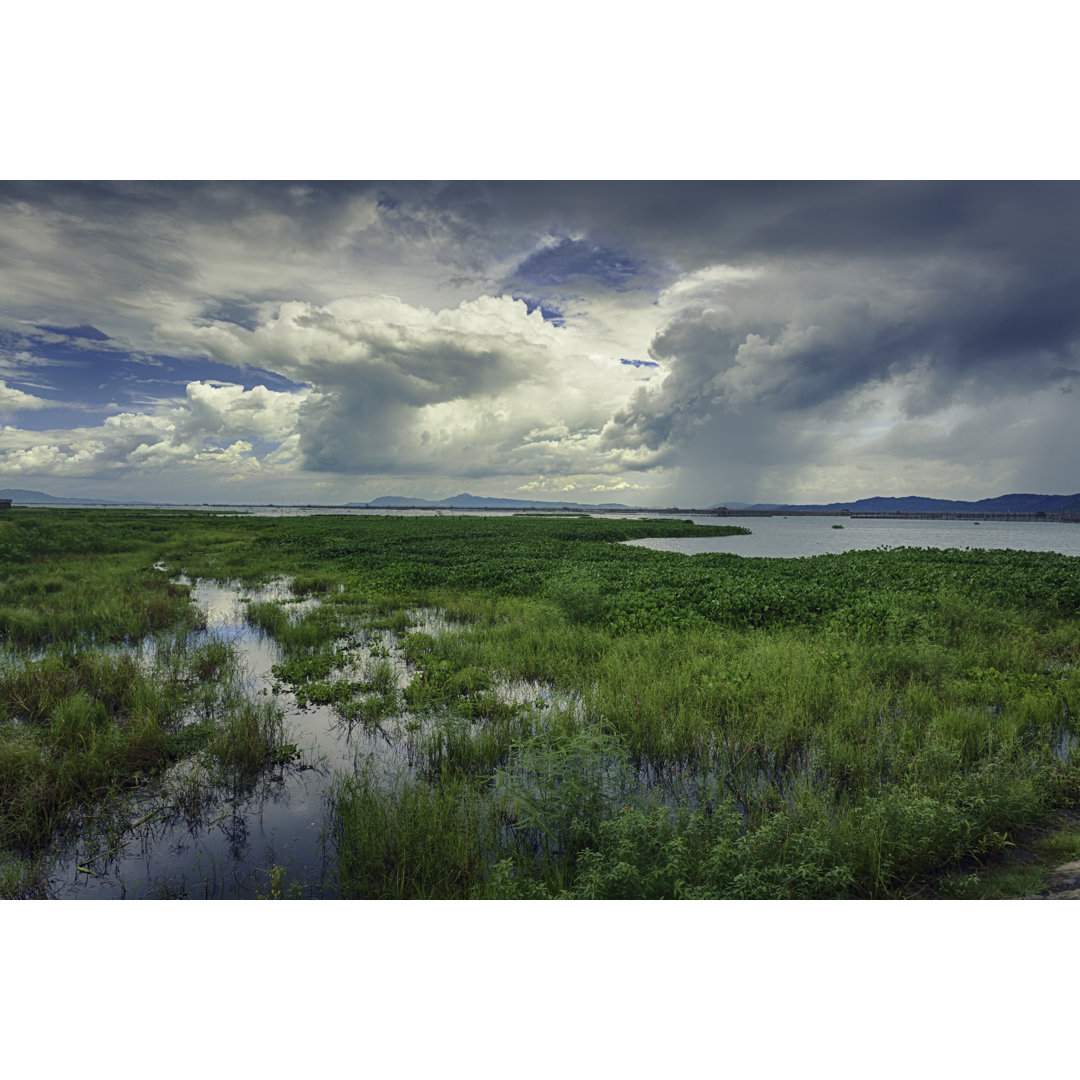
x=639, y=363
x=570, y=259
x=549, y=312
x=88, y=333
x=84, y=384
x=61, y=417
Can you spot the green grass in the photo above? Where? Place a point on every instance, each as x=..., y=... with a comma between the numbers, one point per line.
x=407, y=840
x=300, y=633
x=1006, y=881
x=1061, y=846
x=250, y=737
x=1013, y=873
x=76, y=727
x=716, y=726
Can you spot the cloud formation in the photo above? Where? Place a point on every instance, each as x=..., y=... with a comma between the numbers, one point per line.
x=803, y=341
x=12, y=400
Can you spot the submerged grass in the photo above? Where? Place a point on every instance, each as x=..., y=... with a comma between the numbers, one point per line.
x=712, y=726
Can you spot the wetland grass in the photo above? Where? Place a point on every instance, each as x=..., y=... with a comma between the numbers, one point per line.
x=250, y=737
x=79, y=725
x=1020, y=870
x=406, y=839
x=715, y=726
x=298, y=632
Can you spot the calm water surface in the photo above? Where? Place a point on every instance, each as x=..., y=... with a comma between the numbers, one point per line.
x=793, y=537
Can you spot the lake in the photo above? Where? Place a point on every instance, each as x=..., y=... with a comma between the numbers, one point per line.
x=794, y=537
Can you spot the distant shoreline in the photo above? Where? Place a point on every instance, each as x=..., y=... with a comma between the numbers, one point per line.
x=1069, y=517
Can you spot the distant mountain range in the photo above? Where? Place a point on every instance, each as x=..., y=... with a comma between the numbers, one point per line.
x=21, y=495
x=916, y=504
x=466, y=501
x=1002, y=504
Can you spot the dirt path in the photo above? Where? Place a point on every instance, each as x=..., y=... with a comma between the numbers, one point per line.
x=1032, y=861
x=1064, y=881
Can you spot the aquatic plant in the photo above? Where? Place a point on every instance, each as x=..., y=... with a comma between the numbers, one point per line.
x=250, y=737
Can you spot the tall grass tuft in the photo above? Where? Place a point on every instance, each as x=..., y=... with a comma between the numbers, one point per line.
x=250, y=736
x=410, y=840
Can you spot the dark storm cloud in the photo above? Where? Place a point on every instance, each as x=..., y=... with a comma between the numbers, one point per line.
x=1029, y=231
x=312, y=203
x=693, y=222
x=989, y=271
x=702, y=222
x=973, y=287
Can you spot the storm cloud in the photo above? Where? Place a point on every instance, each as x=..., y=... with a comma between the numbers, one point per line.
x=676, y=342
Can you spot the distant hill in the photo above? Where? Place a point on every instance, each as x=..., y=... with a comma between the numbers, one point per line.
x=1001, y=504
x=21, y=495
x=917, y=504
x=465, y=501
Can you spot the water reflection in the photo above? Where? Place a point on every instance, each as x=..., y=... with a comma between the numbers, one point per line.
x=195, y=837
x=796, y=537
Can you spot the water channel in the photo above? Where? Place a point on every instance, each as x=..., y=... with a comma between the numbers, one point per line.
x=196, y=839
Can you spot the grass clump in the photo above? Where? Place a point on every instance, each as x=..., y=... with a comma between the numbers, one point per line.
x=316, y=584
x=75, y=728
x=558, y=787
x=299, y=633
x=410, y=840
x=250, y=737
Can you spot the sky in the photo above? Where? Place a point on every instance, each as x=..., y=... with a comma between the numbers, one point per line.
x=650, y=343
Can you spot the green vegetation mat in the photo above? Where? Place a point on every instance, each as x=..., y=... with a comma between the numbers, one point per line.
x=706, y=726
